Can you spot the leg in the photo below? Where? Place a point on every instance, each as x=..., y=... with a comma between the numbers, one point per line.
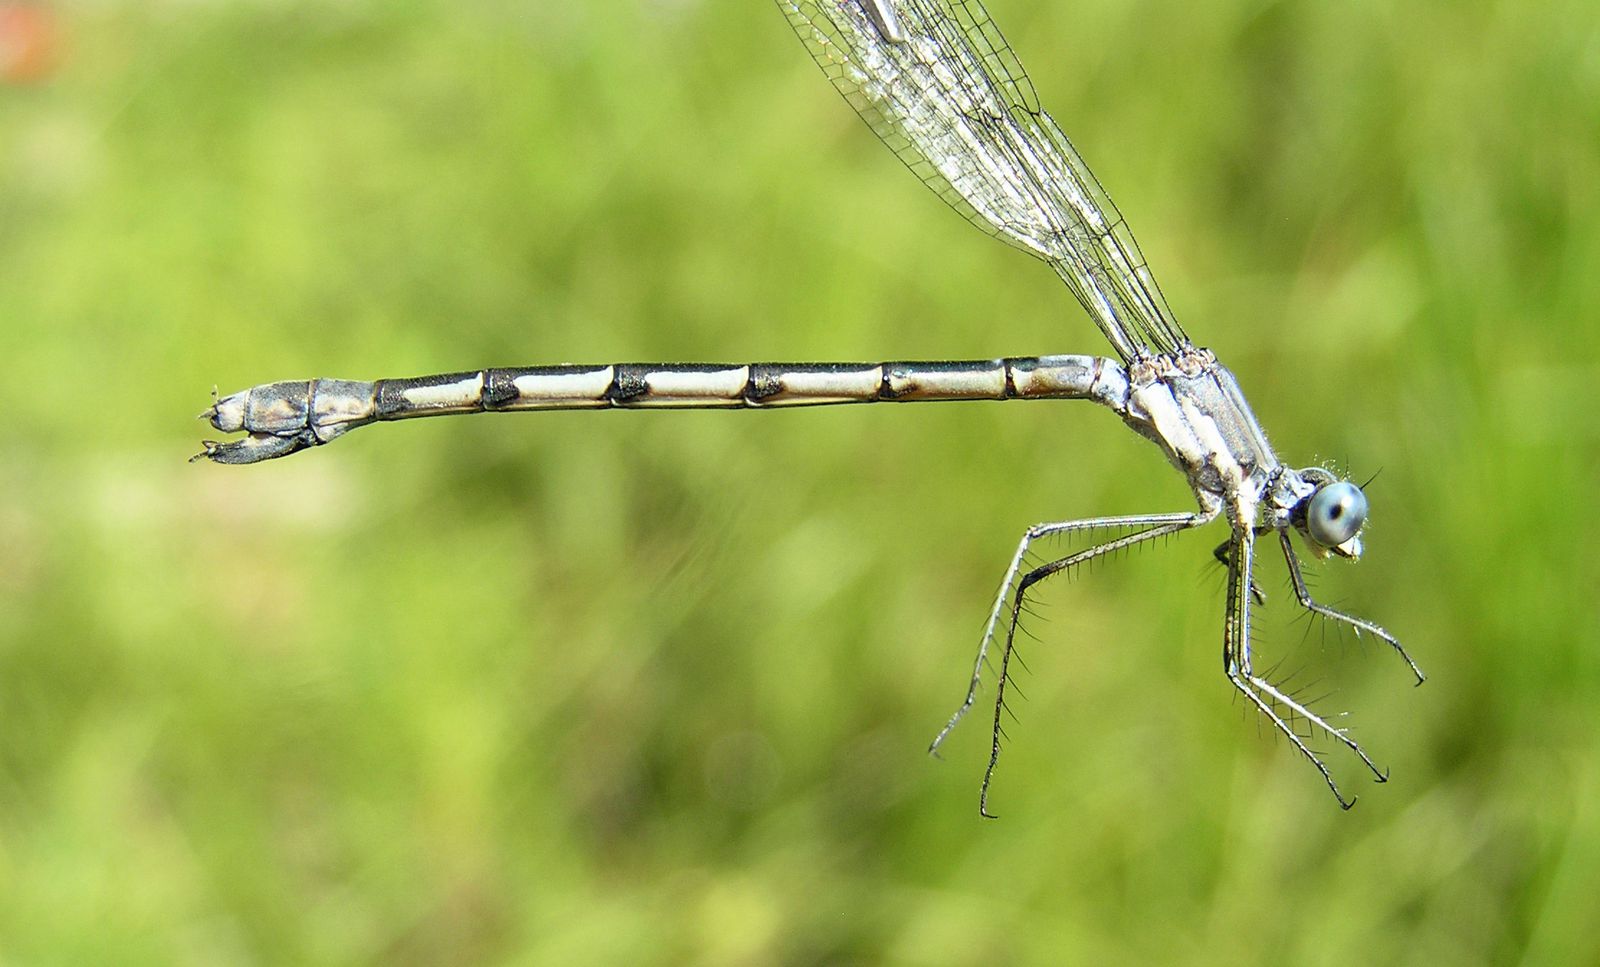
x=1303, y=593
x=1221, y=554
x=1150, y=526
x=1032, y=534
x=1266, y=697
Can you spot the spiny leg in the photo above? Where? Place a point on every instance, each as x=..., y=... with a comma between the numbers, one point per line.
x=1154, y=526
x=1245, y=687
x=1221, y=554
x=1032, y=534
x=1303, y=594
x=1339, y=735
x=1237, y=666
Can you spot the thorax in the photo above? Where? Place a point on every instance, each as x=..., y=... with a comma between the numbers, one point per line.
x=1190, y=406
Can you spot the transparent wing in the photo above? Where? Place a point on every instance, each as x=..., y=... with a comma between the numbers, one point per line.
x=943, y=89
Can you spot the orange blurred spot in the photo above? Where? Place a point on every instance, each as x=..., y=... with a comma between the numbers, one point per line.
x=27, y=43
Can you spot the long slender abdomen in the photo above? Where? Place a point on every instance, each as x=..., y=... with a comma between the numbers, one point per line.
x=281, y=418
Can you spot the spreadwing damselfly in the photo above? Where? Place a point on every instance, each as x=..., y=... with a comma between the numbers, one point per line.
x=939, y=85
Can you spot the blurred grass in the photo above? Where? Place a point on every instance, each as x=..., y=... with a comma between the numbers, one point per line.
x=653, y=688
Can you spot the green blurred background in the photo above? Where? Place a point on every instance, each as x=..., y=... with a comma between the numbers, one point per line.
x=655, y=687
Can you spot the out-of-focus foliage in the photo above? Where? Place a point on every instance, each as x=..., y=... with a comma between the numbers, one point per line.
x=654, y=687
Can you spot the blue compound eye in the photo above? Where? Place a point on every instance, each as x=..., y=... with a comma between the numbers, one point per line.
x=1336, y=513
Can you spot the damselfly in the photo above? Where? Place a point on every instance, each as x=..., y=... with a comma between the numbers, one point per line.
x=941, y=87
